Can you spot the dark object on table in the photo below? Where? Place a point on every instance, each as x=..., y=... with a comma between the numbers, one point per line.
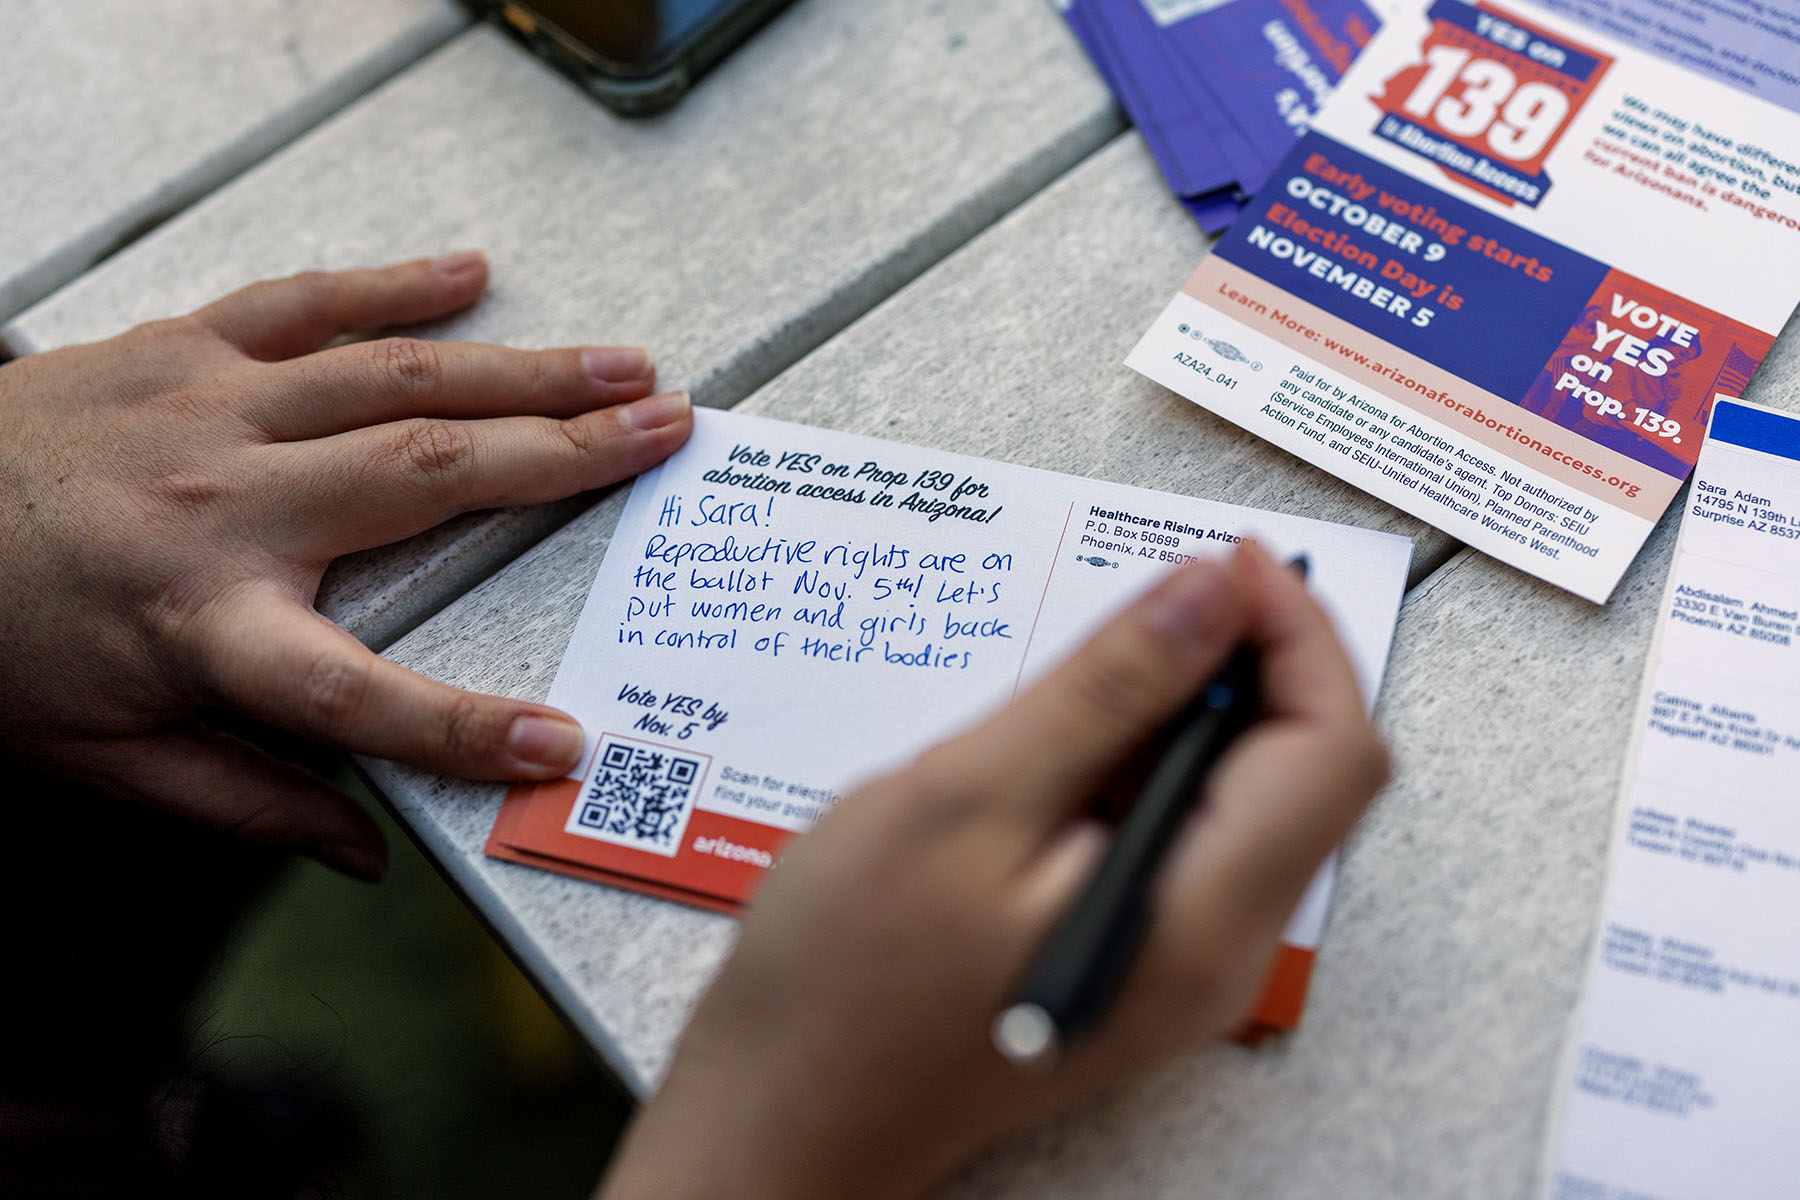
x=634, y=56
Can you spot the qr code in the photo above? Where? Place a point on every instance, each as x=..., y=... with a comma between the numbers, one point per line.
x=638, y=795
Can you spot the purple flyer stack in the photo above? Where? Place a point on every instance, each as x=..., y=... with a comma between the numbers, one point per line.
x=1220, y=89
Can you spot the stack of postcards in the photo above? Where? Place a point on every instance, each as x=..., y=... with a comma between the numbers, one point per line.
x=1221, y=89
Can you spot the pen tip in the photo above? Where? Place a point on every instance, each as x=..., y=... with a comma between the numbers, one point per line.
x=1300, y=565
x=1025, y=1035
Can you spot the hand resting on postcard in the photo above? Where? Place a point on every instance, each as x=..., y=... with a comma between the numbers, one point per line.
x=173, y=495
x=844, y=1048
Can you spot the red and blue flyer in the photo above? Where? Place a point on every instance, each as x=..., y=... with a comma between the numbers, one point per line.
x=1501, y=279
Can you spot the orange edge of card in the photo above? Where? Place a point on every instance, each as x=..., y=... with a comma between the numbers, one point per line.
x=512, y=809
x=1277, y=1009
x=627, y=883
x=1284, y=994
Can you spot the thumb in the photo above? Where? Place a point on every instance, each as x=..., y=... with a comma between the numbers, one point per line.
x=222, y=783
x=1067, y=734
x=285, y=665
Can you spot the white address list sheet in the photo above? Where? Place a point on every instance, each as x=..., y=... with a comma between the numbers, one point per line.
x=1682, y=1081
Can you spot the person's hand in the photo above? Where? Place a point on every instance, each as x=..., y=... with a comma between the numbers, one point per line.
x=844, y=1049
x=172, y=496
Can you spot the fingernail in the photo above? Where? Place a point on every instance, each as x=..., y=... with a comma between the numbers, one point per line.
x=355, y=860
x=544, y=741
x=1188, y=602
x=455, y=266
x=618, y=364
x=656, y=412
x=1252, y=549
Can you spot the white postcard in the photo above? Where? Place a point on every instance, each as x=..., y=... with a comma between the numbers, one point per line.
x=785, y=610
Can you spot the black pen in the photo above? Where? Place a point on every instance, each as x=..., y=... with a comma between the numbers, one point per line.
x=1087, y=953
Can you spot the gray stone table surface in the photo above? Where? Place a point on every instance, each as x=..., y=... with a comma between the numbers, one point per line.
x=116, y=113
x=1010, y=348
x=841, y=151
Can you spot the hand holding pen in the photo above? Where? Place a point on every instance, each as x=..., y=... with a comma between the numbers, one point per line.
x=1081, y=964
x=854, y=1018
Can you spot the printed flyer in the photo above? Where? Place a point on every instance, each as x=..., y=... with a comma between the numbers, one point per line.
x=1748, y=44
x=1500, y=281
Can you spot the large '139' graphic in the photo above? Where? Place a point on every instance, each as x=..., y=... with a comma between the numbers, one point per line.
x=1490, y=100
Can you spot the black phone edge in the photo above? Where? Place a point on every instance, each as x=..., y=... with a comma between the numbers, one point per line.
x=644, y=92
